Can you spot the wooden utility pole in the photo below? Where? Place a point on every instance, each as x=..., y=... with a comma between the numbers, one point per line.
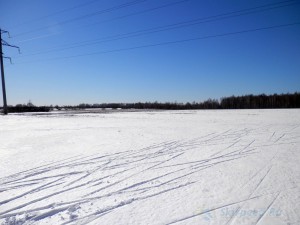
x=2, y=42
x=2, y=77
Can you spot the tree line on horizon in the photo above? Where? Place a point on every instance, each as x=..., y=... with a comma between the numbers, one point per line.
x=261, y=101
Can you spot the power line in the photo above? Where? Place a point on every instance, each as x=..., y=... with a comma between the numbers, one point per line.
x=168, y=43
x=173, y=26
x=124, y=5
x=140, y=12
x=160, y=7
x=131, y=14
x=56, y=13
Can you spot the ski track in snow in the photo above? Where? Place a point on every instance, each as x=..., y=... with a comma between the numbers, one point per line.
x=86, y=189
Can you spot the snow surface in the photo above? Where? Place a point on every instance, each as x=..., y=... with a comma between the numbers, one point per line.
x=159, y=167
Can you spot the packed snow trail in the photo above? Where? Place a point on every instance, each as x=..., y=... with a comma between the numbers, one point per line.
x=193, y=167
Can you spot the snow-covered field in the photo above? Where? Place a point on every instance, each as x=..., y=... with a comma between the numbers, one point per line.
x=160, y=167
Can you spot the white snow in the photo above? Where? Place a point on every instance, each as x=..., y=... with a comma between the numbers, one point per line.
x=159, y=167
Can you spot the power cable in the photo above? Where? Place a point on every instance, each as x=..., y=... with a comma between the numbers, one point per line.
x=138, y=13
x=56, y=13
x=128, y=4
x=167, y=43
x=170, y=27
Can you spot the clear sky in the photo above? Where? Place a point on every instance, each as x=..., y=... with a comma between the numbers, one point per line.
x=127, y=51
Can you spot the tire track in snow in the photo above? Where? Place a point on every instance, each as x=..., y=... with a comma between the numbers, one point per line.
x=209, y=210
x=124, y=169
x=269, y=206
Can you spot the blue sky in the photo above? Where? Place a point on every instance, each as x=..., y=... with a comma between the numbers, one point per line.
x=266, y=61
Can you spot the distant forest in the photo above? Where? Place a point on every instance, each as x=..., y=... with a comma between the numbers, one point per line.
x=261, y=101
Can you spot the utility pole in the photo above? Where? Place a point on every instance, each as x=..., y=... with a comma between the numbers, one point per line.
x=2, y=77
x=2, y=42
